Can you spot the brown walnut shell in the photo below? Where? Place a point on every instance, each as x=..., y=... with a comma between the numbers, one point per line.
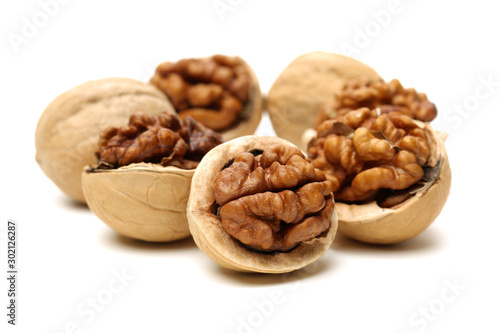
x=310, y=80
x=206, y=227
x=249, y=117
x=373, y=224
x=143, y=201
x=68, y=130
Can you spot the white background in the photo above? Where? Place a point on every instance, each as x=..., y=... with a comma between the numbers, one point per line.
x=67, y=256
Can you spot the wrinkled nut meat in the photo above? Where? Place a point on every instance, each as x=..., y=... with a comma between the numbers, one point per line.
x=159, y=139
x=386, y=96
x=221, y=92
x=69, y=128
x=263, y=207
x=310, y=80
x=390, y=173
x=259, y=209
x=374, y=152
x=141, y=184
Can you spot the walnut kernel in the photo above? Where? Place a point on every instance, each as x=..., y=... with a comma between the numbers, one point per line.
x=386, y=96
x=220, y=92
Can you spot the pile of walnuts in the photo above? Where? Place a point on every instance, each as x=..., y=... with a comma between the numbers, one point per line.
x=187, y=164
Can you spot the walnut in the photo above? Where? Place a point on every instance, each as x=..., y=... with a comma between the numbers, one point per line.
x=248, y=175
x=157, y=139
x=141, y=184
x=384, y=167
x=68, y=130
x=221, y=92
x=261, y=207
x=386, y=96
x=296, y=96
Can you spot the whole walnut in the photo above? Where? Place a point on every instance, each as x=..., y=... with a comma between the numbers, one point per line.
x=310, y=80
x=68, y=130
x=257, y=205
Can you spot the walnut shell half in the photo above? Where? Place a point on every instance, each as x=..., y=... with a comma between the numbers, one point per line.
x=310, y=80
x=68, y=130
x=211, y=237
x=143, y=201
